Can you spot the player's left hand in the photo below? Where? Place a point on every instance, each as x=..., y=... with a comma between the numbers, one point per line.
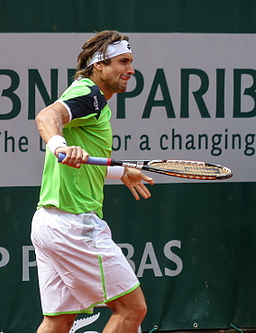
x=133, y=178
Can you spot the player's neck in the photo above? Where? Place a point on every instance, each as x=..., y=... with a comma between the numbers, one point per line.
x=106, y=92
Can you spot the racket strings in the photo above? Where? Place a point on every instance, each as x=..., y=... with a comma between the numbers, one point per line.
x=190, y=168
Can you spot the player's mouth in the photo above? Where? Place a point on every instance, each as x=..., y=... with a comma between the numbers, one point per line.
x=125, y=77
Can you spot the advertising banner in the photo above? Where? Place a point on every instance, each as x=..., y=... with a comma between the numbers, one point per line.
x=192, y=243
x=192, y=97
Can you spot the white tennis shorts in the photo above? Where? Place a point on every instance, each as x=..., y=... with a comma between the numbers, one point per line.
x=79, y=265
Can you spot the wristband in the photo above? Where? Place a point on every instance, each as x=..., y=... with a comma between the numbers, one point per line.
x=115, y=172
x=55, y=142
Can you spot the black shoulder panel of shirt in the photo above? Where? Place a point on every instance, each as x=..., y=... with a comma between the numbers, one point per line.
x=85, y=105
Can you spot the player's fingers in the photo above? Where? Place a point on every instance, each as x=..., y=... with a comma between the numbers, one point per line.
x=75, y=156
x=143, y=191
x=147, y=179
x=80, y=157
x=85, y=156
x=134, y=192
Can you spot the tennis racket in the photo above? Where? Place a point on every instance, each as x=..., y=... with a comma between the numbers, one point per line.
x=175, y=168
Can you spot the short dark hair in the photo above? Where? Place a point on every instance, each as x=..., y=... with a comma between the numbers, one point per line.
x=97, y=43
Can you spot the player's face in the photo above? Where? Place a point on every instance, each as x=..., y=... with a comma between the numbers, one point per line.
x=116, y=75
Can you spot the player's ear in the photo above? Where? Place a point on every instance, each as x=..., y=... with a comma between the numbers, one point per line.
x=98, y=66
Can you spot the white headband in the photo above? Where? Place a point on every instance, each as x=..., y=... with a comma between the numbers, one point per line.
x=113, y=50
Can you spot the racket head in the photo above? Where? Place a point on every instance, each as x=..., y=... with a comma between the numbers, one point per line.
x=191, y=169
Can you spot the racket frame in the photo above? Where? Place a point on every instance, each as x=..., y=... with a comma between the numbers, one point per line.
x=174, y=173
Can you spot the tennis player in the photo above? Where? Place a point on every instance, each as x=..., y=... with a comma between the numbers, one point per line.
x=79, y=265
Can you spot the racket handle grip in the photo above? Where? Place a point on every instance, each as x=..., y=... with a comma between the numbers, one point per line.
x=61, y=157
x=91, y=160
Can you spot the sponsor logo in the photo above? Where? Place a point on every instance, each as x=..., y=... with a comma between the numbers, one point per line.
x=96, y=103
x=82, y=323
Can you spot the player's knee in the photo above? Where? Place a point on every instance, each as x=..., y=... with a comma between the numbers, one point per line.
x=137, y=312
x=141, y=310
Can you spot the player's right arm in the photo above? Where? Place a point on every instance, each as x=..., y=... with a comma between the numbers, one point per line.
x=50, y=123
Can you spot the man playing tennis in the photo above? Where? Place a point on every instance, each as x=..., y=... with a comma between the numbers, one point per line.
x=79, y=265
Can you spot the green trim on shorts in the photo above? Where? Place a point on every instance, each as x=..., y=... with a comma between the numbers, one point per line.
x=88, y=311
x=104, y=285
x=124, y=293
x=102, y=277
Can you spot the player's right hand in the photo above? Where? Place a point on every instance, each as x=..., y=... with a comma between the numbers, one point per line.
x=75, y=156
